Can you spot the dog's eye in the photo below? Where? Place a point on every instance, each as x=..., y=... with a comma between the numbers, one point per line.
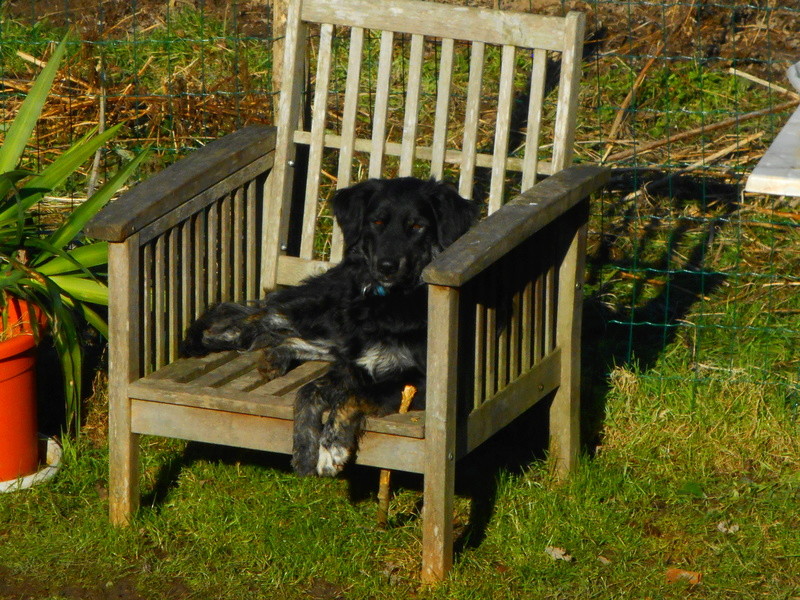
x=378, y=222
x=417, y=226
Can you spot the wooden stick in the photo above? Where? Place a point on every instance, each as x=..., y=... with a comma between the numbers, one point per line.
x=408, y=394
x=627, y=102
x=700, y=163
x=702, y=129
x=101, y=127
x=765, y=83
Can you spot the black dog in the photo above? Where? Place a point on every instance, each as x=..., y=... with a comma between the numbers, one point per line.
x=367, y=315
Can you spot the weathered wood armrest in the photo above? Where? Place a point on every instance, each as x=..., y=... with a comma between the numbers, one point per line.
x=186, y=179
x=512, y=224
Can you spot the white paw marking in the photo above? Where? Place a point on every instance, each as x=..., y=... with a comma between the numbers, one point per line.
x=331, y=460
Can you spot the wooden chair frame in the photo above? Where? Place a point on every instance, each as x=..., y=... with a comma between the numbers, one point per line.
x=227, y=223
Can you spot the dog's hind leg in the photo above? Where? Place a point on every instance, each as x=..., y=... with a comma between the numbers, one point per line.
x=226, y=326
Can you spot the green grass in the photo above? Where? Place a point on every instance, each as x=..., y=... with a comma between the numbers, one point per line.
x=237, y=525
x=691, y=388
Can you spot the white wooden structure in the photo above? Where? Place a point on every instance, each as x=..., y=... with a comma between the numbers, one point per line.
x=242, y=215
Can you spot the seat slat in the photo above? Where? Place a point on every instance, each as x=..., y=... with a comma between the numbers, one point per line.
x=229, y=381
x=262, y=432
x=411, y=424
x=238, y=365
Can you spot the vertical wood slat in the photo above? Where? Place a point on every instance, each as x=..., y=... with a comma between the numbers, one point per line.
x=411, y=117
x=251, y=242
x=439, y=141
x=527, y=324
x=173, y=297
x=318, y=120
x=471, y=116
x=440, y=438
x=530, y=162
x=503, y=128
x=239, y=225
x=148, y=308
x=188, y=286
x=515, y=333
x=344, y=175
x=564, y=135
x=212, y=253
x=490, y=372
x=382, y=85
x=200, y=262
x=124, y=319
x=538, y=317
x=225, y=248
x=502, y=335
x=480, y=355
x=278, y=187
x=159, y=291
x=550, y=300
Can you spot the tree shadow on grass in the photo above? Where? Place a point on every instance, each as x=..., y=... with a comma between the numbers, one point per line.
x=658, y=247
x=651, y=256
x=640, y=298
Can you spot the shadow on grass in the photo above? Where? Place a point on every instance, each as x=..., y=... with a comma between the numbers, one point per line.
x=669, y=255
x=665, y=273
x=613, y=335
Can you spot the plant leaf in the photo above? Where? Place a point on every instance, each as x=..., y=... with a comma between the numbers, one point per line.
x=94, y=319
x=78, y=259
x=80, y=288
x=57, y=172
x=81, y=215
x=20, y=130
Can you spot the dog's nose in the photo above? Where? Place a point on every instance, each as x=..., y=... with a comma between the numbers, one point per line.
x=388, y=266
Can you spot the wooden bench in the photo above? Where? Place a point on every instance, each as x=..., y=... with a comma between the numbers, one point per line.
x=481, y=97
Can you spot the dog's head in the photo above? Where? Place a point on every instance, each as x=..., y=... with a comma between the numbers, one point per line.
x=398, y=225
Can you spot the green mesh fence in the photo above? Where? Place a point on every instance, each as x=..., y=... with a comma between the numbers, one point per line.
x=693, y=285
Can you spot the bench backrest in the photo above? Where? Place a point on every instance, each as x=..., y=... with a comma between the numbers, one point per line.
x=374, y=89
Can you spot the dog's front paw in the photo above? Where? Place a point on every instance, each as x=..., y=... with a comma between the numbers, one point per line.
x=304, y=465
x=332, y=460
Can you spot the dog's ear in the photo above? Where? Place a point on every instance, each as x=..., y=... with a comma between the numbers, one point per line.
x=349, y=207
x=454, y=214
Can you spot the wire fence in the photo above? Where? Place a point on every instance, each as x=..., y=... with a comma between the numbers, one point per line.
x=692, y=283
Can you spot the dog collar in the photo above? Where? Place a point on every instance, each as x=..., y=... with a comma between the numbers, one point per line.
x=374, y=290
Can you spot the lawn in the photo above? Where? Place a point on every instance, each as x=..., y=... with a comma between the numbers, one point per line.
x=690, y=480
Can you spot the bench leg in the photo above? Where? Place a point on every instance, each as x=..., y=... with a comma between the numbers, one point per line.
x=440, y=447
x=437, y=522
x=565, y=410
x=123, y=315
x=123, y=464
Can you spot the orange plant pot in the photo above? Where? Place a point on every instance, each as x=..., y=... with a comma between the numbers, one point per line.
x=19, y=447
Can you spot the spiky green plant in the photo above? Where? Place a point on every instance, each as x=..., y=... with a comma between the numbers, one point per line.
x=56, y=270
